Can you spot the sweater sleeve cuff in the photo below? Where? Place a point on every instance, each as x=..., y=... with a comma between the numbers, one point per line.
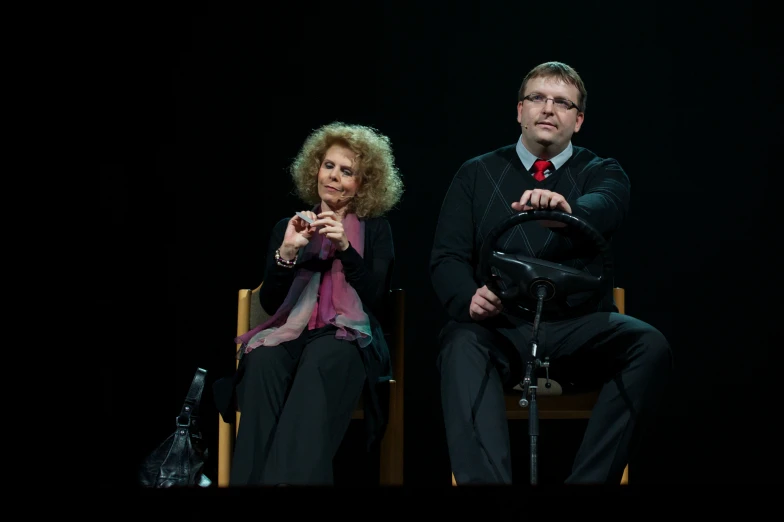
x=349, y=256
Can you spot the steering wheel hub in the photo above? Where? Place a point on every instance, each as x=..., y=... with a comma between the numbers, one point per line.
x=526, y=275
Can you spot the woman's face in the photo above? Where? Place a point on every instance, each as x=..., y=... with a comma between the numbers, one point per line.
x=338, y=180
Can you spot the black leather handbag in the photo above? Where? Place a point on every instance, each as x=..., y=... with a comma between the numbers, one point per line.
x=179, y=460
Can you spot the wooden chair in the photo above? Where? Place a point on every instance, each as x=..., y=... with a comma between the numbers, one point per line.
x=554, y=404
x=250, y=313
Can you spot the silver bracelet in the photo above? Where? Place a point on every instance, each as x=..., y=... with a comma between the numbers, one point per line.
x=284, y=262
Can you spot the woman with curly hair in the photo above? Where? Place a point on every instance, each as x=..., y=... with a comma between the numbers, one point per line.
x=328, y=272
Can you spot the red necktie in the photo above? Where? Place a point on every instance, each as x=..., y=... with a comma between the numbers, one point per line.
x=540, y=166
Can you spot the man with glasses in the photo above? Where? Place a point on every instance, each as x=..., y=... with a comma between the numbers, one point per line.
x=483, y=347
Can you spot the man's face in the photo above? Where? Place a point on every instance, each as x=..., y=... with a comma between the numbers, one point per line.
x=546, y=119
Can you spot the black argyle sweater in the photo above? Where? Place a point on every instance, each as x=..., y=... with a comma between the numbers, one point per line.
x=480, y=197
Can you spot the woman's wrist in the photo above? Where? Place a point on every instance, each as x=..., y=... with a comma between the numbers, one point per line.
x=288, y=252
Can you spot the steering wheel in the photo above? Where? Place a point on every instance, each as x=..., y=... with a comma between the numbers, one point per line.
x=530, y=275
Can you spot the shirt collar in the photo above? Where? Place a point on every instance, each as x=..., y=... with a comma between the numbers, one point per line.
x=528, y=159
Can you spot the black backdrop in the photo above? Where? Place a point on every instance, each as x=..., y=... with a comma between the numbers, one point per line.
x=204, y=110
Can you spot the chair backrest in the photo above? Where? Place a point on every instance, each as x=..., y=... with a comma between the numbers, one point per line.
x=393, y=324
x=249, y=311
x=257, y=315
x=619, y=296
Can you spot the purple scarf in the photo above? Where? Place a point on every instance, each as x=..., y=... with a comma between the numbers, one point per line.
x=313, y=302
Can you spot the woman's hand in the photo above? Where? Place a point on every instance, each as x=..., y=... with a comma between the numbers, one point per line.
x=298, y=234
x=332, y=227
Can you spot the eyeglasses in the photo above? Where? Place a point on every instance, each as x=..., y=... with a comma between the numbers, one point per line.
x=560, y=104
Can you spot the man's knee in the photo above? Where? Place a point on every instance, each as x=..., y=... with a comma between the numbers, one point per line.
x=461, y=342
x=657, y=350
x=470, y=350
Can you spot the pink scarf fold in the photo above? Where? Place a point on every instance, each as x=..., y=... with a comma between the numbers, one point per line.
x=313, y=301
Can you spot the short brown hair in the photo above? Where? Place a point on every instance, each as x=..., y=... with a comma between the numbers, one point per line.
x=560, y=71
x=381, y=186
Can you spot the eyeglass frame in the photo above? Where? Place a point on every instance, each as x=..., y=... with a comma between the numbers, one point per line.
x=572, y=105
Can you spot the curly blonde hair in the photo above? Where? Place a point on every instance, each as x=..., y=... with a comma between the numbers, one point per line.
x=380, y=183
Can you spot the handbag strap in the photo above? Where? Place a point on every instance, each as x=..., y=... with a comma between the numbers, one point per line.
x=191, y=405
